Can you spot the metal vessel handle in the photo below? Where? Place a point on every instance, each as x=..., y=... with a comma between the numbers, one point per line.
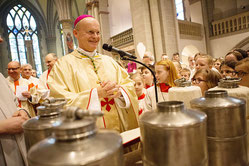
x=51, y=101
x=74, y=113
x=182, y=82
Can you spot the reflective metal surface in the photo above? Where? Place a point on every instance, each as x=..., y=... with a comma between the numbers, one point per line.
x=226, y=128
x=76, y=142
x=39, y=127
x=173, y=136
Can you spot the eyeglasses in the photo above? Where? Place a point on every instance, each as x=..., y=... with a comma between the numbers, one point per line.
x=242, y=73
x=197, y=80
x=14, y=69
x=228, y=72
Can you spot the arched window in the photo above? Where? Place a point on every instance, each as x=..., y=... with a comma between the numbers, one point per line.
x=179, y=9
x=23, y=38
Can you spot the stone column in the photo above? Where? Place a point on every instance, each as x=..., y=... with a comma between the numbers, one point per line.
x=169, y=25
x=67, y=28
x=51, y=44
x=99, y=10
x=65, y=17
x=141, y=21
x=155, y=24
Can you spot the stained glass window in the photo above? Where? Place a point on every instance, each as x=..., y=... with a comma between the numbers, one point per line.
x=179, y=9
x=22, y=27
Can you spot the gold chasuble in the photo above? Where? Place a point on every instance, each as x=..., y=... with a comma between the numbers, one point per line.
x=76, y=77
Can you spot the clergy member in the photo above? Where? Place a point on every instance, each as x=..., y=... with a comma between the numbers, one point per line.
x=12, y=149
x=26, y=72
x=50, y=60
x=93, y=81
x=21, y=87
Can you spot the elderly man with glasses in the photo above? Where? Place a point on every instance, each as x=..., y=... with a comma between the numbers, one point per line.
x=21, y=87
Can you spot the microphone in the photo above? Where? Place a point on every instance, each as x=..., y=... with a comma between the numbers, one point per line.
x=120, y=52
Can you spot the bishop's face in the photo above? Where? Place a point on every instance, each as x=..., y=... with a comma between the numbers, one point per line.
x=87, y=31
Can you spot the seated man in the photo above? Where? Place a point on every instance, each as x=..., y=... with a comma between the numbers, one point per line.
x=93, y=81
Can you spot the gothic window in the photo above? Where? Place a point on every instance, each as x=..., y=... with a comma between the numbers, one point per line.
x=22, y=28
x=179, y=9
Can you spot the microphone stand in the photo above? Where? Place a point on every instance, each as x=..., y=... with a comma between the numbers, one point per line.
x=133, y=60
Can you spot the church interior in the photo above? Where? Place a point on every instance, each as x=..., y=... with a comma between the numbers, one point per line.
x=159, y=33
x=207, y=26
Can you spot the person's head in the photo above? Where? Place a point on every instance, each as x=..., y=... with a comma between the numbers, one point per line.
x=185, y=73
x=176, y=57
x=197, y=55
x=242, y=52
x=227, y=69
x=206, y=79
x=166, y=72
x=178, y=66
x=50, y=60
x=1, y=39
x=191, y=62
x=34, y=73
x=164, y=56
x=14, y=70
x=204, y=61
x=148, y=58
x=217, y=63
x=147, y=75
x=139, y=83
x=87, y=32
x=242, y=69
x=233, y=56
x=26, y=71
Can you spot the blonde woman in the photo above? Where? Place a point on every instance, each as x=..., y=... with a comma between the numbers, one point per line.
x=166, y=74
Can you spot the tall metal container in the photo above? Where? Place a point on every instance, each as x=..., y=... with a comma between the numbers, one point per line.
x=226, y=128
x=76, y=142
x=39, y=127
x=183, y=91
x=173, y=136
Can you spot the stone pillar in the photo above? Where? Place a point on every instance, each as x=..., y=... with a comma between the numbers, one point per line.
x=51, y=44
x=65, y=17
x=157, y=29
x=99, y=10
x=141, y=21
x=67, y=28
x=169, y=26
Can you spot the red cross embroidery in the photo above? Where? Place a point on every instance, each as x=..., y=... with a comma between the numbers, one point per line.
x=107, y=103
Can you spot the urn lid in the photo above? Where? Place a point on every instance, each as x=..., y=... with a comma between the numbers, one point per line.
x=172, y=114
x=182, y=82
x=50, y=107
x=229, y=83
x=78, y=124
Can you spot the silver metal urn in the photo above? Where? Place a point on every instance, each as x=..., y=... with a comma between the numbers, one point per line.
x=173, y=136
x=39, y=127
x=183, y=91
x=226, y=128
x=77, y=142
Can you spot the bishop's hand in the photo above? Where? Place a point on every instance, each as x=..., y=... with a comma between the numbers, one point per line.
x=109, y=89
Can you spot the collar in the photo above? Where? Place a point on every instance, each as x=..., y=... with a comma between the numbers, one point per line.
x=141, y=97
x=164, y=87
x=90, y=54
x=12, y=80
x=147, y=86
